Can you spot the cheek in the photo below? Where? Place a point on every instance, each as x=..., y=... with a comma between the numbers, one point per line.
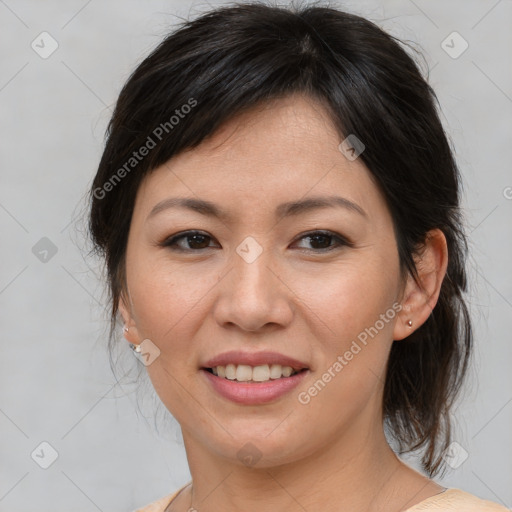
x=170, y=305
x=166, y=298
x=354, y=318
x=347, y=300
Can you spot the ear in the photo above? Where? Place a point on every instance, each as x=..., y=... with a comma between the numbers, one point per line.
x=420, y=298
x=125, y=308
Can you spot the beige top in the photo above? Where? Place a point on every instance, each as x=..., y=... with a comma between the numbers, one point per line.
x=450, y=500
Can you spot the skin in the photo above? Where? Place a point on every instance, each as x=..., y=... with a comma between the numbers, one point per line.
x=293, y=299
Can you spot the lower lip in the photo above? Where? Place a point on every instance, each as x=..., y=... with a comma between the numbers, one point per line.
x=254, y=393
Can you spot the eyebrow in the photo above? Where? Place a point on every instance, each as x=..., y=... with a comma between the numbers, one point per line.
x=292, y=208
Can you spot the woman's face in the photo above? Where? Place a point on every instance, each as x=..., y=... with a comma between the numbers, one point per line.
x=259, y=278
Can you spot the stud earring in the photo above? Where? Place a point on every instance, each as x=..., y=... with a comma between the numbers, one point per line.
x=126, y=329
x=135, y=348
x=409, y=323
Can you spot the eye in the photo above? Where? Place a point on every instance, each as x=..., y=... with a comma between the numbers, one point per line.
x=195, y=240
x=323, y=240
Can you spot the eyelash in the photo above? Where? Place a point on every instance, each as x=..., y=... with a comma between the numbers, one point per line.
x=171, y=243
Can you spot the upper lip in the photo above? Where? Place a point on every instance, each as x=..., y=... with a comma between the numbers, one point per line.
x=254, y=359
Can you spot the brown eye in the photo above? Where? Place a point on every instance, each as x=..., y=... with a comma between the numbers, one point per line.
x=188, y=241
x=325, y=241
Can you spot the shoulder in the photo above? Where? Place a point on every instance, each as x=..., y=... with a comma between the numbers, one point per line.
x=456, y=500
x=159, y=505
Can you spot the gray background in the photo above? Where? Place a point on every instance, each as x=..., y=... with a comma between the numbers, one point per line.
x=56, y=382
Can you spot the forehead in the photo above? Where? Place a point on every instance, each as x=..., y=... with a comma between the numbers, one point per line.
x=280, y=130
x=277, y=152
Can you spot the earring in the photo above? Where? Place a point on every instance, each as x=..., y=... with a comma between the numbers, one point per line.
x=409, y=323
x=135, y=348
x=126, y=329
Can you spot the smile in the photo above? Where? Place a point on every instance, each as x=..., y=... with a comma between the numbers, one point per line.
x=246, y=373
x=251, y=392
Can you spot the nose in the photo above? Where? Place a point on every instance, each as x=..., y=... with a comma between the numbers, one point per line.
x=252, y=296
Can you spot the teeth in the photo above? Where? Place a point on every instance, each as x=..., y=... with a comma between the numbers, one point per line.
x=230, y=371
x=261, y=373
x=287, y=371
x=275, y=371
x=245, y=373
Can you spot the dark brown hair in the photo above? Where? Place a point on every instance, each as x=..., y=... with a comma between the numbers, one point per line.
x=233, y=58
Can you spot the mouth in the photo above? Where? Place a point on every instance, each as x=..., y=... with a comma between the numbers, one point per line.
x=253, y=385
x=253, y=374
x=253, y=378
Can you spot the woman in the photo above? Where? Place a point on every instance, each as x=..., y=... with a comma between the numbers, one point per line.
x=278, y=208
